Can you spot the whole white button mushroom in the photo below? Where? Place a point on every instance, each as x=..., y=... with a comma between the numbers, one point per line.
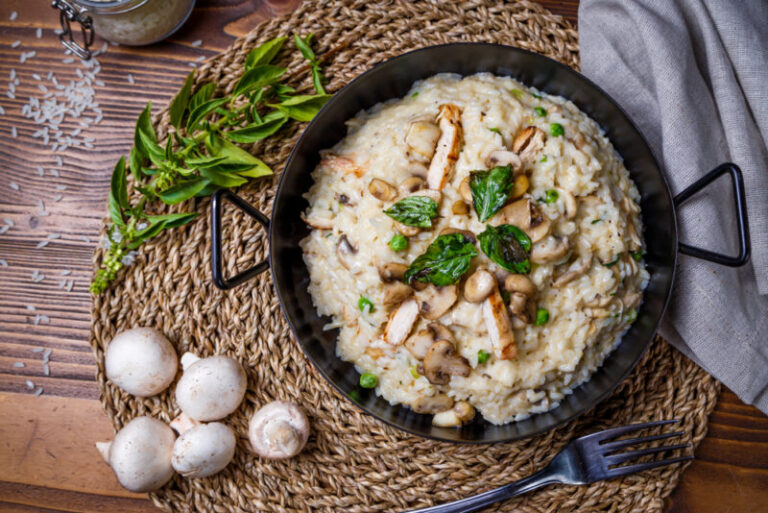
x=210, y=388
x=203, y=450
x=278, y=430
x=140, y=454
x=141, y=361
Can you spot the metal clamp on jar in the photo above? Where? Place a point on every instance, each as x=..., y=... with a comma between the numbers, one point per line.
x=128, y=22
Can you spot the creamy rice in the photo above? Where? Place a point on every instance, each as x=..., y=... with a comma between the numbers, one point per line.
x=587, y=316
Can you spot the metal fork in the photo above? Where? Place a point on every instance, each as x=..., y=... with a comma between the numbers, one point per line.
x=585, y=460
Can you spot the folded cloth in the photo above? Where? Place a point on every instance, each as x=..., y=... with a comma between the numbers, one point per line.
x=693, y=75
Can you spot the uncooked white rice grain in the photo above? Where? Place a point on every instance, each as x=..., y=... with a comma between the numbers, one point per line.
x=36, y=76
x=66, y=272
x=196, y=43
x=12, y=74
x=54, y=236
x=2, y=111
x=40, y=171
x=70, y=284
x=54, y=172
x=61, y=187
x=130, y=79
x=45, y=319
x=42, y=244
x=8, y=221
x=29, y=384
x=192, y=64
x=4, y=229
x=68, y=60
x=46, y=369
x=31, y=308
x=39, y=278
x=3, y=263
x=14, y=132
x=38, y=392
x=62, y=284
x=39, y=33
x=37, y=350
x=13, y=16
x=85, y=238
x=44, y=213
x=40, y=204
x=59, y=161
x=14, y=186
x=16, y=44
x=19, y=365
x=47, y=354
x=36, y=320
x=57, y=198
x=200, y=59
x=10, y=95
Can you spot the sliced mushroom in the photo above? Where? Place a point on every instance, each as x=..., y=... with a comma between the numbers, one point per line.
x=479, y=286
x=435, y=301
x=569, y=203
x=382, y=190
x=448, y=147
x=524, y=214
x=468, y=234
x=418, y=169
x=551, y=249
x=441, y=332
x=503, y=158
x=433, y=194
x=460, y=208
x=528, y=142
x=421, y=139
x=522, y=292
x=465, y=190
x=577, y=269
x=420, y=342
x=318, y=223
x=401, y=322
x=392, y=271
x=396, y=292
x=345, y=252
x=432, y=403
x=520, y=307
x=499, y=326
x=443, y=361
x=411, y=185
x=520, y=186
x=408, y=231
x=461, y=413
x=519, y=283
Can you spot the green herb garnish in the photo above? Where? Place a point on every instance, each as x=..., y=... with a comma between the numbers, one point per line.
x=595, y=221
x=508, y=246
x=368, y=380
x=483, y=356
x=550, y=196
x=631, y=315
x=398, y=242
x=543, y=159
x=444, y=262
x=537, y=96
x=306, y=50
x=364, y=303
x=490, y=190
x=414, y=211
x=414, y=95
x=517, y=93
x=556, y=129
x=505, y=296
x=614, y=262
x=201, y=154
x=414, y=372
x=540, y=111
x=542, y=316
x=637, y=255
x=495, y=130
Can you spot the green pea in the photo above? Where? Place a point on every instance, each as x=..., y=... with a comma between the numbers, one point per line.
x=364, y=302
x=556, y=129
x=631, y=316
x=540, y=111
x=550, y=196
x=414, y=372
x=543, y=159
x=542, y=316
x=482, y=356
x=398, y=243
x=414, y=95
x=637, y=255
x=368, y=380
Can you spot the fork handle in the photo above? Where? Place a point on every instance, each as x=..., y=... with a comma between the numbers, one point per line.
x=525, y=485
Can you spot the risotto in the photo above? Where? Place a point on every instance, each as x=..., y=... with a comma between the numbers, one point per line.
x=477, y=245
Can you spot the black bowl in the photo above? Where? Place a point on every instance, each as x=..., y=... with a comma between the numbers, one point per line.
x=393, y=79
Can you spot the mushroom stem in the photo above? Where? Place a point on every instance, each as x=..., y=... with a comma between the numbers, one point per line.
x=188, y=359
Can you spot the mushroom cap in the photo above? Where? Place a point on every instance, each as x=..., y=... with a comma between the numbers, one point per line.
x=211, y=388
x=203, y=450
x=141, y=361
x=278, y=430
x=443, y=361
x=140, y=454
x=479, y=286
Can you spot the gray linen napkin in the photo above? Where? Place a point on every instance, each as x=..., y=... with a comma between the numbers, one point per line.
x=693, y=75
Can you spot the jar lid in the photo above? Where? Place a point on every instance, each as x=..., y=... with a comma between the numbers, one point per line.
x=109, y=6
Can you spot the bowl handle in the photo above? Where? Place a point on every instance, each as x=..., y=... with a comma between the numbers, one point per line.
x=216, y=251
x=741, y=215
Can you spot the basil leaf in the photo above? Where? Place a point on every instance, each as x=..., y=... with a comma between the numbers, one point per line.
x=258, y=77
x=257, y=131
x=152, y=229
x=204, y=161
x=203, y=110
x=144, y=124
x=180, y=102
x=118, y=193
x=253, y=167
x=490, y=190
x=182, y=191
x=151, y=149
x=202, y=95
x=304, y=48
x=444, y=262
x=317, y=79
x=414, y=211
x=303, y=107
x=136, y=161
x=222, y=178
x=508, y=246
x=174, y=220
x=264, y=53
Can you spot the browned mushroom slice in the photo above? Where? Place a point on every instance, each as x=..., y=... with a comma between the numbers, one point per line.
x=435, y=301
x=432, y=403
x=499, y=326
x=411, y=185
x=392, y=271
x=460, y=208
x=528, y=142
x=524, y=214
x=503, y=158
x=401, y=322
x=442, y=361
x=419, y=343
x=519, y=283
x=408, y=231
x=448, y=147
x=345, y=252
x=577, y=269
x=382, y=190
x=468, y=234
x=479, y=286
x=441, y=332
x=551, y=249
x=522, y=292
x=465, y=190
x=421, y=139
x=396, y=292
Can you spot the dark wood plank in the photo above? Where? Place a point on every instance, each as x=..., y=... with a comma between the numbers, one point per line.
x=730, y=474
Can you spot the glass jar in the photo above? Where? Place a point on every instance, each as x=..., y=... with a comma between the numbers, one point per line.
x=128, y=22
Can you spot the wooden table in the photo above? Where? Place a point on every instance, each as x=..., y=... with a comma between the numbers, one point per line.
x=47, y=457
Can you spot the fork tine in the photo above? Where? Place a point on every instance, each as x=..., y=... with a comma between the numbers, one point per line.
x=618, y=431
x=621, y=457
x=613, y=446
x=632, y=469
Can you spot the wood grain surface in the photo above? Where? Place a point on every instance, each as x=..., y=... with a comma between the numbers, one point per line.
x=47, y=457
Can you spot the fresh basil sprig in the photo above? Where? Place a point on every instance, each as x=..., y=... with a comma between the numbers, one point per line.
x=414, y=211
x=201, y=154
x=490, y=190
x=445, y=261
x=508, y=246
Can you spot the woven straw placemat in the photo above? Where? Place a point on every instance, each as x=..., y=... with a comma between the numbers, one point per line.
x=353, y=462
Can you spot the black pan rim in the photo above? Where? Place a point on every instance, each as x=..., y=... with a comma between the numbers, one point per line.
x=335, y=99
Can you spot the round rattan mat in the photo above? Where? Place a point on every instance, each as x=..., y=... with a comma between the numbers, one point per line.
x=353, y=462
